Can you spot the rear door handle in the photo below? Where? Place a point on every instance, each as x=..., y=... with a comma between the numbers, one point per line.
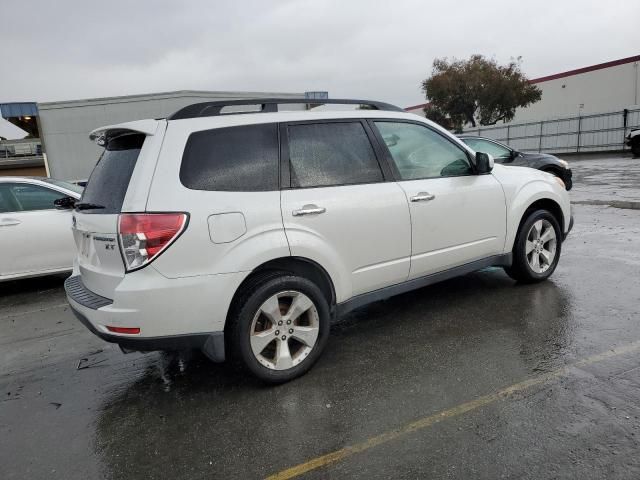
x=422, y=197
x=8, y=222
x=309, y=210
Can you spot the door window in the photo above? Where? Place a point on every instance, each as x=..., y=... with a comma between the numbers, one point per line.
x=7, y=202
x=485, y=146
x=34, y=197
x=327, y=154
x=419, y=152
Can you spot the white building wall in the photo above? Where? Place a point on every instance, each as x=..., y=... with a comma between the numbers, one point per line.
x=65, y=126
x=605, y=90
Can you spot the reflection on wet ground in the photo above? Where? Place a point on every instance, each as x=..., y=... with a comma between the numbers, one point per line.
x=617, y=180
x=179, y=416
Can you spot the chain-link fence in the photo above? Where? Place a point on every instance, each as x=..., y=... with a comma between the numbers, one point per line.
x=586, y=133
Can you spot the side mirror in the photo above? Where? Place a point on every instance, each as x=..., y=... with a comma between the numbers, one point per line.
x=65, y=203
x=514, y=154
x=484, y=162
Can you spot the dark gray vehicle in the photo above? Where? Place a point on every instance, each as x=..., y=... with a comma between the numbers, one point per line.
x=504, y=154
x=633, y=140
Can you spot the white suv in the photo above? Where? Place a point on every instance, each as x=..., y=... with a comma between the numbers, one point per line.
x=243, y=234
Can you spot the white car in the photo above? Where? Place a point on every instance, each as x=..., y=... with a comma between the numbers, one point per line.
x=35, y=234
x=243, y=234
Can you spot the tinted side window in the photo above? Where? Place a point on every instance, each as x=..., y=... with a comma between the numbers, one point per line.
x=232, y=159
x=110, y=178
x=325, y=154
x=419, y=152
x=34, y=197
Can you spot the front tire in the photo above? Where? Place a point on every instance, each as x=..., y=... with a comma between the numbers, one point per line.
x=635, y=148
x=279, y=326
x=536, y=250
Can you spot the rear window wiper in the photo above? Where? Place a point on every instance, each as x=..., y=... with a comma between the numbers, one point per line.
x=87, y=206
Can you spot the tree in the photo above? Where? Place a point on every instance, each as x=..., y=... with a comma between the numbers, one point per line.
x=441, y=118
x=477, y=90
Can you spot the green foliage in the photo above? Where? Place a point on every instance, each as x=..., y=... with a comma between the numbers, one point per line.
x=476, y=90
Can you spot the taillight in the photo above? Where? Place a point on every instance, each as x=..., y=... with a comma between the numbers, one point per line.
x=144, y=236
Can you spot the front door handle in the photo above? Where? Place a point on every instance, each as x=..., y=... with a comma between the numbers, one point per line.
x=422, y=197
x=309, y=210
x=8, y=222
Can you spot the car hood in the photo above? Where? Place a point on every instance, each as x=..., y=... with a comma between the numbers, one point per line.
x=539, y=156
x=522, y=174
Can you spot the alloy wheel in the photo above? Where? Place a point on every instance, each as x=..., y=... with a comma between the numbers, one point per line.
x=284, y=330
x=541, y=245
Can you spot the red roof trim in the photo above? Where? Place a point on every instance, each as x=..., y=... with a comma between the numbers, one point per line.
x=592, y=68
x=414, y=107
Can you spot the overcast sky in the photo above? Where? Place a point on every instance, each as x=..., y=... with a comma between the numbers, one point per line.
x=364, y=49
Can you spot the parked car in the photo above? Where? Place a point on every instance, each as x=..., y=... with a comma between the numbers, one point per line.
x=506, y=155
x=243, y=234
x=633, y=141
x=35, y=233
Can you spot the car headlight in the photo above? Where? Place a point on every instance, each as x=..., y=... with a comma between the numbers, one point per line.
x=560, y=181
x=564, y=163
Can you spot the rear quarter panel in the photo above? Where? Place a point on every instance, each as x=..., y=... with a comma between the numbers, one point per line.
x=195, y=252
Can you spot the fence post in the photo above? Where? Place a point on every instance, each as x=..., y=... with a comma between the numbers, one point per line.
x=579, y=128
x=507, y=134
x=625, y=114
x=540, y=139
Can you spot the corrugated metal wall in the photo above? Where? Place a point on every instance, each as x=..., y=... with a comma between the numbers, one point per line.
x=65, y=126
x=588, y=133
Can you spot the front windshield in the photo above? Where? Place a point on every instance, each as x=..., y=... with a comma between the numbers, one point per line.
x=66, y=185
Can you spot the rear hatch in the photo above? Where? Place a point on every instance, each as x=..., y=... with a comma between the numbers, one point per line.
x=95, y=220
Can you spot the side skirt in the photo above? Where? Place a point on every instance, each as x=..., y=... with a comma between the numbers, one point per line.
x=503, y=260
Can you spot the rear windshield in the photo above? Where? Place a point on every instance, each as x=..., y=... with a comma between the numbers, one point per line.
x=109, y=180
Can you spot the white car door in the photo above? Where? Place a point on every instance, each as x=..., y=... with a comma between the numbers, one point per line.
x=35, y=237
x=340, y=210
x=457, y=216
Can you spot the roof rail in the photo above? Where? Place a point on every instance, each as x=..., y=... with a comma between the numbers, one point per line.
x=212, y=109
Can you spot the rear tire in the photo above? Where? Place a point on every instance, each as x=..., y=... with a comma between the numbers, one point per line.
x=279, y=326
x=536, y=250
x=635, y=148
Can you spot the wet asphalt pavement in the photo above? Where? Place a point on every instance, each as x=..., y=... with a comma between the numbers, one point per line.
x=73, y=407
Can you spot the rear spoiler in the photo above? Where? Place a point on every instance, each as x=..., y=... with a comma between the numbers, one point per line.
x=102, y=134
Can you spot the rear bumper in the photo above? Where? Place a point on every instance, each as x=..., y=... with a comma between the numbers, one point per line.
x=167, y=322
x=212, y=344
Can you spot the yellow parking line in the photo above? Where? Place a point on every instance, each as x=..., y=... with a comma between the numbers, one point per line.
x=336, y=456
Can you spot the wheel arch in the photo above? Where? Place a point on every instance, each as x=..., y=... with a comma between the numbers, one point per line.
x=545, y=204
x=536, y=195
x=301, y=266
